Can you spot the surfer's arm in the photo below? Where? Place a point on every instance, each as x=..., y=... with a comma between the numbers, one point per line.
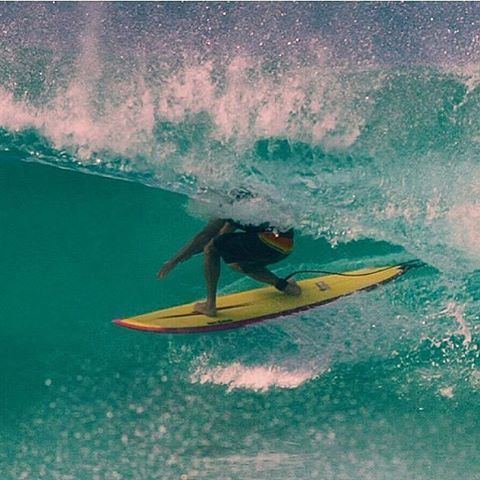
x=227, y=228
x=196, y=245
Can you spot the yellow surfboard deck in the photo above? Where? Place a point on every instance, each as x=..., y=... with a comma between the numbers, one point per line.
x=240, y=309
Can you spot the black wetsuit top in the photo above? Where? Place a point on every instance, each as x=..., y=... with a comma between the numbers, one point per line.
x=263, y=227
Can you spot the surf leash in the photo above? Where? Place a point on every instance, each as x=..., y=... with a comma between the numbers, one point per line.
x=405, y=265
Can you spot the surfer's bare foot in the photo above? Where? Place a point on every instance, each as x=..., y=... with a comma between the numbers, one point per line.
x=202, y=307
x=293, y=288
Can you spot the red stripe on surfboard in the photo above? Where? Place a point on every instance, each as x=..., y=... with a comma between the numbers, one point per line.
x=242, y=323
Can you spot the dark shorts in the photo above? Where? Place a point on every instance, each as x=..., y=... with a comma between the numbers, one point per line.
x=246, y=248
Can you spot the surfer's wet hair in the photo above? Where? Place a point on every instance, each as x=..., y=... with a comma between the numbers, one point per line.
x=239, y=194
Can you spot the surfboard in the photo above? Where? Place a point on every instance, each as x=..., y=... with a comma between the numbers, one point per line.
x=253, y=306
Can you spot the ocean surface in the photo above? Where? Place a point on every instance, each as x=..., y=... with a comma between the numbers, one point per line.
x=125, y=126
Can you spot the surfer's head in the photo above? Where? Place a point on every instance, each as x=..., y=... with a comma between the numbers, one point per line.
x=239, y=194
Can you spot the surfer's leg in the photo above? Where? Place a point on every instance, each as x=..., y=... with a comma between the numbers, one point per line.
x=212, y=273
x=263, y=274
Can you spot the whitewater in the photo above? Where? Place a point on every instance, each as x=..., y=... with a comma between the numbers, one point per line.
x=124, y=126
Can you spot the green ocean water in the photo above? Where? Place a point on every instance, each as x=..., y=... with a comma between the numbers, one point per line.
x=343, y=392
x=125, y=126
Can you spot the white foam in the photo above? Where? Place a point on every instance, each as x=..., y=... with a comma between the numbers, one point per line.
x=447, y=392
x=457, y=312
x=15, y=115
x=475, y=378
x=256, y=378
x=464, y=222
x=248, y=103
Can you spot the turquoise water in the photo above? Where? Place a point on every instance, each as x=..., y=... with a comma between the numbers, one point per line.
x=124, y=126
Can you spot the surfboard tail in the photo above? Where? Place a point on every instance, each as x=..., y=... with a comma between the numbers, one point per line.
x=411, y=264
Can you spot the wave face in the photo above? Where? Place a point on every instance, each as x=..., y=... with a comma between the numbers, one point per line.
x=355, y=123
x=345, y=121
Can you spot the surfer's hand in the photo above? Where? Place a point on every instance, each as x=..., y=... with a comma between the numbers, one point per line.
x=167, y=266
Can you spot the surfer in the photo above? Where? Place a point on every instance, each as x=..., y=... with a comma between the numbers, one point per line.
x=249, y=251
